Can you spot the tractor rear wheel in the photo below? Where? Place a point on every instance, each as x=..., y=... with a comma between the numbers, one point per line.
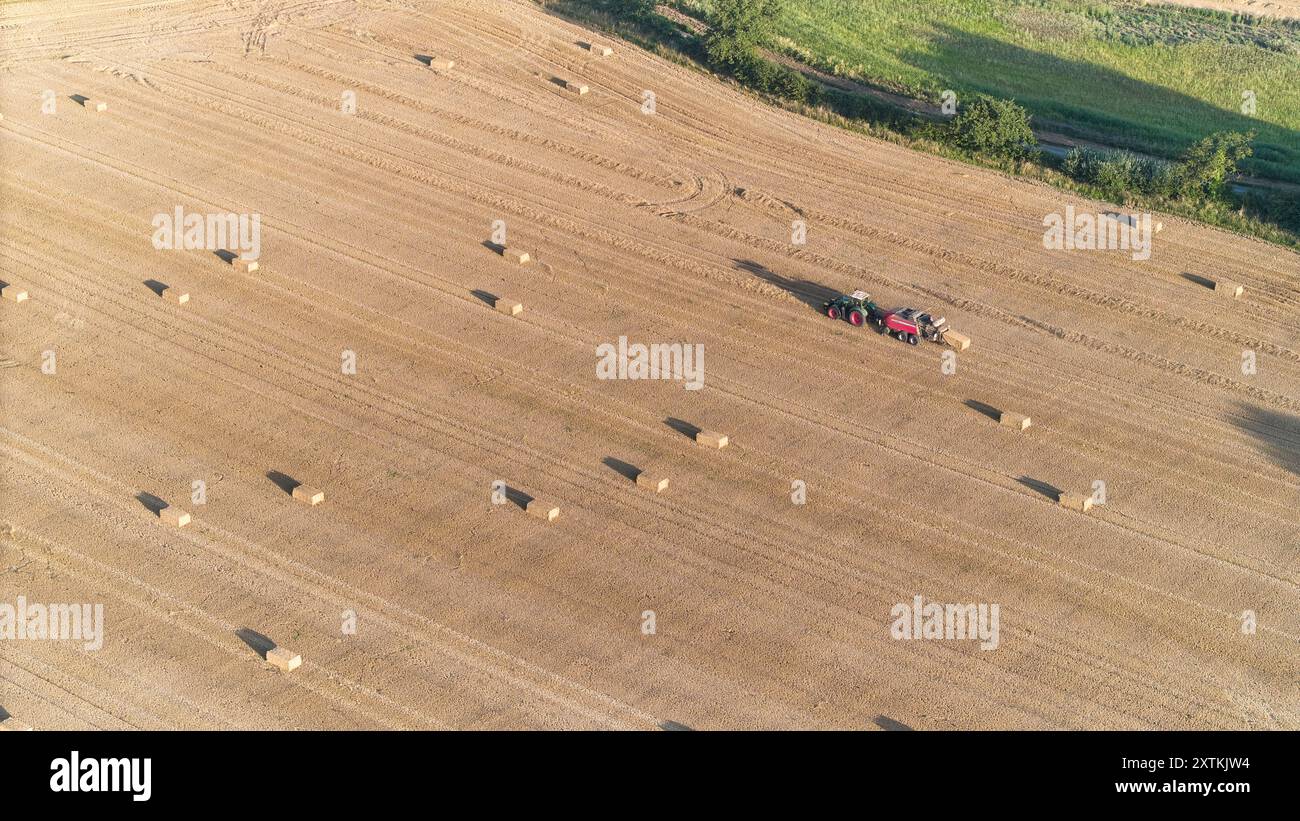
x=833, y=312
x=855, y=318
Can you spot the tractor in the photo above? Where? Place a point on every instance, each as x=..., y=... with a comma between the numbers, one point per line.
x=906, y=324
x=856, y=307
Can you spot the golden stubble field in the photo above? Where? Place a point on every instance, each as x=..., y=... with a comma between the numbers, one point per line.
x=1261, y=8
x=666, y=227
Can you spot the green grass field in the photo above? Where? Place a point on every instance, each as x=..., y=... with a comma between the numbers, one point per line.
x=1151, y=78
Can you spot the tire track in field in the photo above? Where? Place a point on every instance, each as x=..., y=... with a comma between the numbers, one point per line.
x=516, y=135
x=58, y=679
x=122, y=581
x=1199, y=375
x=27, y=690
x=452, y=143
x=268, y=568
x=1059, y=287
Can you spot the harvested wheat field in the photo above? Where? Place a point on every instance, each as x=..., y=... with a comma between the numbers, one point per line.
x=432, y=498
x=1260, y=8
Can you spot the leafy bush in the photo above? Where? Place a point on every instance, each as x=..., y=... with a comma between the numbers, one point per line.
x=1202, y=174
x=1204, y=170
x=987, y=125
x=1120, y=174
x=1081, y=164
x=773, y=78
x=786, y=82
x=630, y=9
x=738, y=27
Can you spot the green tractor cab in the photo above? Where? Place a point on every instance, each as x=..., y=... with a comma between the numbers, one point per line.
x=856, y=307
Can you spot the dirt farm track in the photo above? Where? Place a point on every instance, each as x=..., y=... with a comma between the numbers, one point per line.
x=674, y=226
